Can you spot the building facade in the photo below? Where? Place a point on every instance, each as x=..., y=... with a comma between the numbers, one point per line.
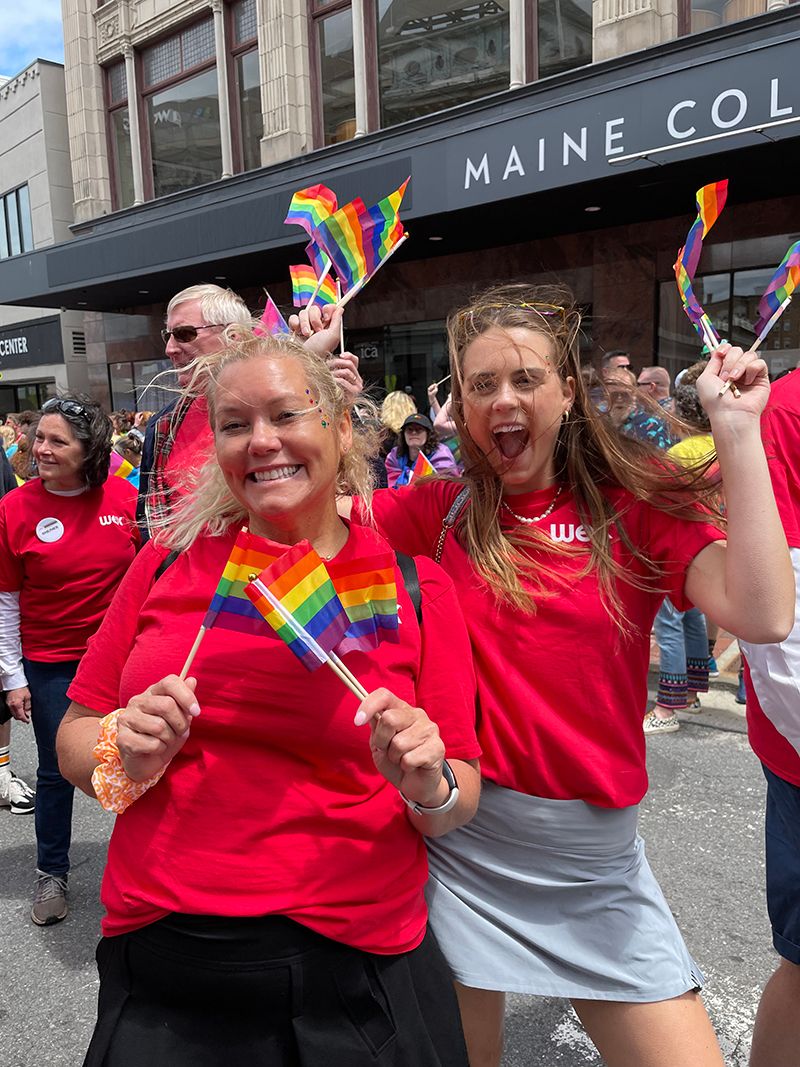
x=545, y=139
x=42, y=349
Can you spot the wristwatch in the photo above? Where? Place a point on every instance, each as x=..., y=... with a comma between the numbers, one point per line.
x=450, y=778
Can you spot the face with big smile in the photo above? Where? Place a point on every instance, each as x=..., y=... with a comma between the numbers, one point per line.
x=58, y=453
x=514, y=401
x=182, y=353
x=277, y=448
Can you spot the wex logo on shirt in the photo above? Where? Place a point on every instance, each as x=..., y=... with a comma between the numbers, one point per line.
x=569, y=532
x=117, y=520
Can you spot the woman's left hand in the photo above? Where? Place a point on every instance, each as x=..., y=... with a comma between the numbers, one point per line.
x=747, y=371
x=406, y=747
x=344, y=368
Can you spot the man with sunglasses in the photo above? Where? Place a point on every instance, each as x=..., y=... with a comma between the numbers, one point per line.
x=176, y=437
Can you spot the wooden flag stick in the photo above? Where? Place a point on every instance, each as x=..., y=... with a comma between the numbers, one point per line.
x=341, y=321
x=200, y=635
x=442, y=381
x=320, y=280
x=363, y=281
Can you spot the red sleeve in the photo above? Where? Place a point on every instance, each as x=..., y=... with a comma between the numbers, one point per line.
x=673, y=543
x=11, y=572
x=446, y=683
x=96, y=685
x=410, y=518
x=780, y=429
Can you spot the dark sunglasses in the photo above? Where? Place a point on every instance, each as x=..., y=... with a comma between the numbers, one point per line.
x=184, y=334
x=68, y=407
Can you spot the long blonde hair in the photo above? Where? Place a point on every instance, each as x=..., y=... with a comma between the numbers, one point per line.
x=590, y=457
x=210, y=508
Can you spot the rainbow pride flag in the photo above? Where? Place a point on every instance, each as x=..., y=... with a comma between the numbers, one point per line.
x=781, y=286
x=230, y=606
x=691, y=305
x=308, y=207
x=300, y=582
x=316, y=257
x=274, y=322
x=357, y=239
x=422, y=467
x=368, y=592
x=710, y=202
x=119, y=467
x=304, y=282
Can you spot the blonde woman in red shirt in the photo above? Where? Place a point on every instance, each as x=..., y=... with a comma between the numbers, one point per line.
x=265, y=893
x=562, y=540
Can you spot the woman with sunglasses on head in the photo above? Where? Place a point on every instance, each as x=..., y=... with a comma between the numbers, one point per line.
x=566, y=543
x=66, y=539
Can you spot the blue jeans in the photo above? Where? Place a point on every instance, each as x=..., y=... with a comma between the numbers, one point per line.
x=683, y=645
x=48, y=683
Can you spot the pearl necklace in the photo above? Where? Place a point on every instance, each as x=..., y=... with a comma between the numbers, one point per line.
x=535, y=518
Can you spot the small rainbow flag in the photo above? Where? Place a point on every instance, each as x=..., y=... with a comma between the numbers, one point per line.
x=274, y=322
x=304, y=282
x=230, y=606
x=357, y=239
x=422, y=468
x=119, y=467
x=310, y=206
x=368, y=592
x=316, y=257
x=710, y=202
x=694, y=311
x=781, y=287
x=299, y=581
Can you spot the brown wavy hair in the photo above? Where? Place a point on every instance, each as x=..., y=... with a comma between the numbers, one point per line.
x=591, y=457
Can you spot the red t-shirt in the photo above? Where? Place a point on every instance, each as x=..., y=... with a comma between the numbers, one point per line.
x=273, y=806
x=193, y=444
x=561, y=693
x=780, y=429
x=65, y=555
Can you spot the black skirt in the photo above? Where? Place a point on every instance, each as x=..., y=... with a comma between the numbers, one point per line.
x=204, y=991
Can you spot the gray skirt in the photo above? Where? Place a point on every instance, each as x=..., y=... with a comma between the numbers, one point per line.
x=555, y=898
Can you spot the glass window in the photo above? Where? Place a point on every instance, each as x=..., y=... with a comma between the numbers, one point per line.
x=16, y=231
x=183, y=121
x=244, y=21
x=432, y=55
x=122, y=156
x=337, y=82
x=248, y=88
x=197, y=43
x=162, y=61
x=678, y=342
x=120, y=379
x=24, y=204
x=706, y=14
x=565, y=35
x=151, y=394
x=117, y=83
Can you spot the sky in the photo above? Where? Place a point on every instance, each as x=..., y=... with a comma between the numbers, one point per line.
x=31, y=29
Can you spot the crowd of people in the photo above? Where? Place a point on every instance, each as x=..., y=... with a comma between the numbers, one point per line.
x=468, y=828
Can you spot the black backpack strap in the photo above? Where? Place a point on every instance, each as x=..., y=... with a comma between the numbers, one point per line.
x=166, y=562
x=449, y=521
x=408, y=569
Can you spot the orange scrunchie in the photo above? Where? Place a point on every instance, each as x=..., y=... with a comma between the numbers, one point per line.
x=112, y=787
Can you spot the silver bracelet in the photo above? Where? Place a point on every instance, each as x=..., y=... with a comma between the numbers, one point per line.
x=450, y=778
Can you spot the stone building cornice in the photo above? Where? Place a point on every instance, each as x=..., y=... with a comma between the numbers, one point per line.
x=16, y=83
x=117, y=23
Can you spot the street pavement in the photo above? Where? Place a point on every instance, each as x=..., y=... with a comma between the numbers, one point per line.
x=702, y=821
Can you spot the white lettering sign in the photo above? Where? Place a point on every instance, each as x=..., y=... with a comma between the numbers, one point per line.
x=13, y=346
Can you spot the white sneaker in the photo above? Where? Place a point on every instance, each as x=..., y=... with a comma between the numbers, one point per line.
x=16, y=795
x=654, y=725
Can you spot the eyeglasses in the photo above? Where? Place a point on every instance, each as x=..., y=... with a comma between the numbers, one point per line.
x=643, y=384
x=184, y=334
x=68, y=407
